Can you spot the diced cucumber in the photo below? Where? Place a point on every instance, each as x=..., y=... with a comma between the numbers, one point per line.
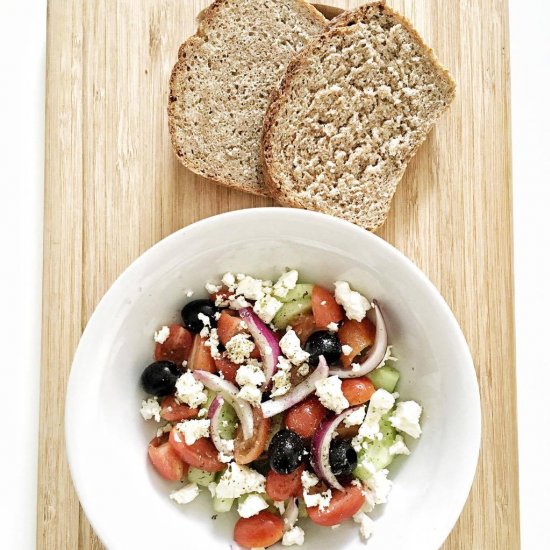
x=302, y=511
x=377, y=452
x=200, y=477
x=211, y=395
x=228, y=421
x=290, y=311
x=385, y=377
x=222, y=505
x=299, y=292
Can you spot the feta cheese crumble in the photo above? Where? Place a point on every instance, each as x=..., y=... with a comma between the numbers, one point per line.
x=399, y=447
x=213, y=342
x=346, y=350
x=379, y=486
x=251, y=505
x=355, y=305
x=238, y=480
x=290, y=346
x=194, y=429
x=239, y=348
x=186, y=494
x=250, y=393
x=161, y=335
x=329, y=392
x=205, y=320
x=318, y=499
x=190, y=391
x=267, y=307
x=406, y=418
x=309, y=480
x=381, y=403
x=150, y=408
x=250, y=373
x=366, y=528
x=332, y=327
x=281, y=379
x=287, y=281
x=356, y=417
x=229, y=281
x=294, y=536
x=250, y=288
x=211, y=288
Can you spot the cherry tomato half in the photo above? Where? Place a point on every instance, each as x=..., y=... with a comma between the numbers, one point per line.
x=343, y=505
x=229, y=325
x=176, y=347
x=247, y=450
x=358, y=335
x=283, y=486
x=357, y=390
x=200, y=357
x=227, y=368
x=304, y=326
x=165, y=460
x=261, y=530
x=325, y=308
x=202, y=454
x=305, y=417
x=174, y=411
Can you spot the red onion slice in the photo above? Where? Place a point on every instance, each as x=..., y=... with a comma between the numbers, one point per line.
x=291, y=513
x=375, y=355
x=265, y=340
x=214, y=414
x=320, y=447
x=297, y=394
x=230, y=393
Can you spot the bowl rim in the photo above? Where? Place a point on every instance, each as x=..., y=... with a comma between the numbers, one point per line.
x=92, y=511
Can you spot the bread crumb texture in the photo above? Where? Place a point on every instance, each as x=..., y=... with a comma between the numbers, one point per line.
x=352, y=110
x=220, y=87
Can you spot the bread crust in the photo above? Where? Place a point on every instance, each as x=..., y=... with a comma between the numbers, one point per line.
x=205, y=18
x=300, y=60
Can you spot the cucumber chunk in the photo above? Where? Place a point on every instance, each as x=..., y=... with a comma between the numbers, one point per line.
x=228, y=421
x=290, y=311
x=299, y=292
x=385, y=377
x=200, y=477
x=377, y=452
x=302, y=510
x=222, y=505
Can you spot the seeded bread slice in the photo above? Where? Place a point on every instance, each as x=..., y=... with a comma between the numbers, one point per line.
x=351, y=111
x=220, y=86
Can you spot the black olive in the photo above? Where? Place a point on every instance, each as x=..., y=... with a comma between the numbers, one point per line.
x=190, y=314
x=160, y=377
x=342, y=457
x=286, y=451
x=324, y=343
x=261, y=465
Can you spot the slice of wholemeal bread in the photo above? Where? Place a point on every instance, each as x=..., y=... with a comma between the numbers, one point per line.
x=220, y=86
x=351, y=111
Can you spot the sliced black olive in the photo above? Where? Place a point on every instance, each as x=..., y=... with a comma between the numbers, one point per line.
x=342, y=457
x=160, y=377
x=191, y=311
x=324, y=343
x=286, y=451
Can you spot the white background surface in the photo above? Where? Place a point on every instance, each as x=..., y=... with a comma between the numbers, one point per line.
x=22, y=59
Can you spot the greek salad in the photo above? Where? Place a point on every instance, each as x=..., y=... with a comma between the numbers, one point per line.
x=278, y=398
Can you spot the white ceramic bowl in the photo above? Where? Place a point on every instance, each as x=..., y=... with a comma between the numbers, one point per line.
x=124, y=499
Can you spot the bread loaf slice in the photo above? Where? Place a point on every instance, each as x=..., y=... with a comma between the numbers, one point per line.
x=351, y=111
x=220, y=86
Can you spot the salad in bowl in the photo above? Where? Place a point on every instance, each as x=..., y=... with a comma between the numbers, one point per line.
x=279, y=398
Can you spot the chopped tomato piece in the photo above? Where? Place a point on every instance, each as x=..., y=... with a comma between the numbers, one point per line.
x=227, y=368
x=283, y=486
x=347, y=432
x=202, y=454
x=229, y=325
x=176, y=347
x=357, y=390
x=165, y=460
x=343, y=505
x=305, y=417
x=200, y=357
x=174, y=411
x=358, y=335
x=247, y=450
x=304, y=326
x=261, y=530
x=325, y=308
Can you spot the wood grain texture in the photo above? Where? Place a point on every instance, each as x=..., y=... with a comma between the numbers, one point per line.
x=113, y=188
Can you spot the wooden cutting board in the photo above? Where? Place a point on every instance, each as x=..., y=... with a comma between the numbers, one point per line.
x=113, y=188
